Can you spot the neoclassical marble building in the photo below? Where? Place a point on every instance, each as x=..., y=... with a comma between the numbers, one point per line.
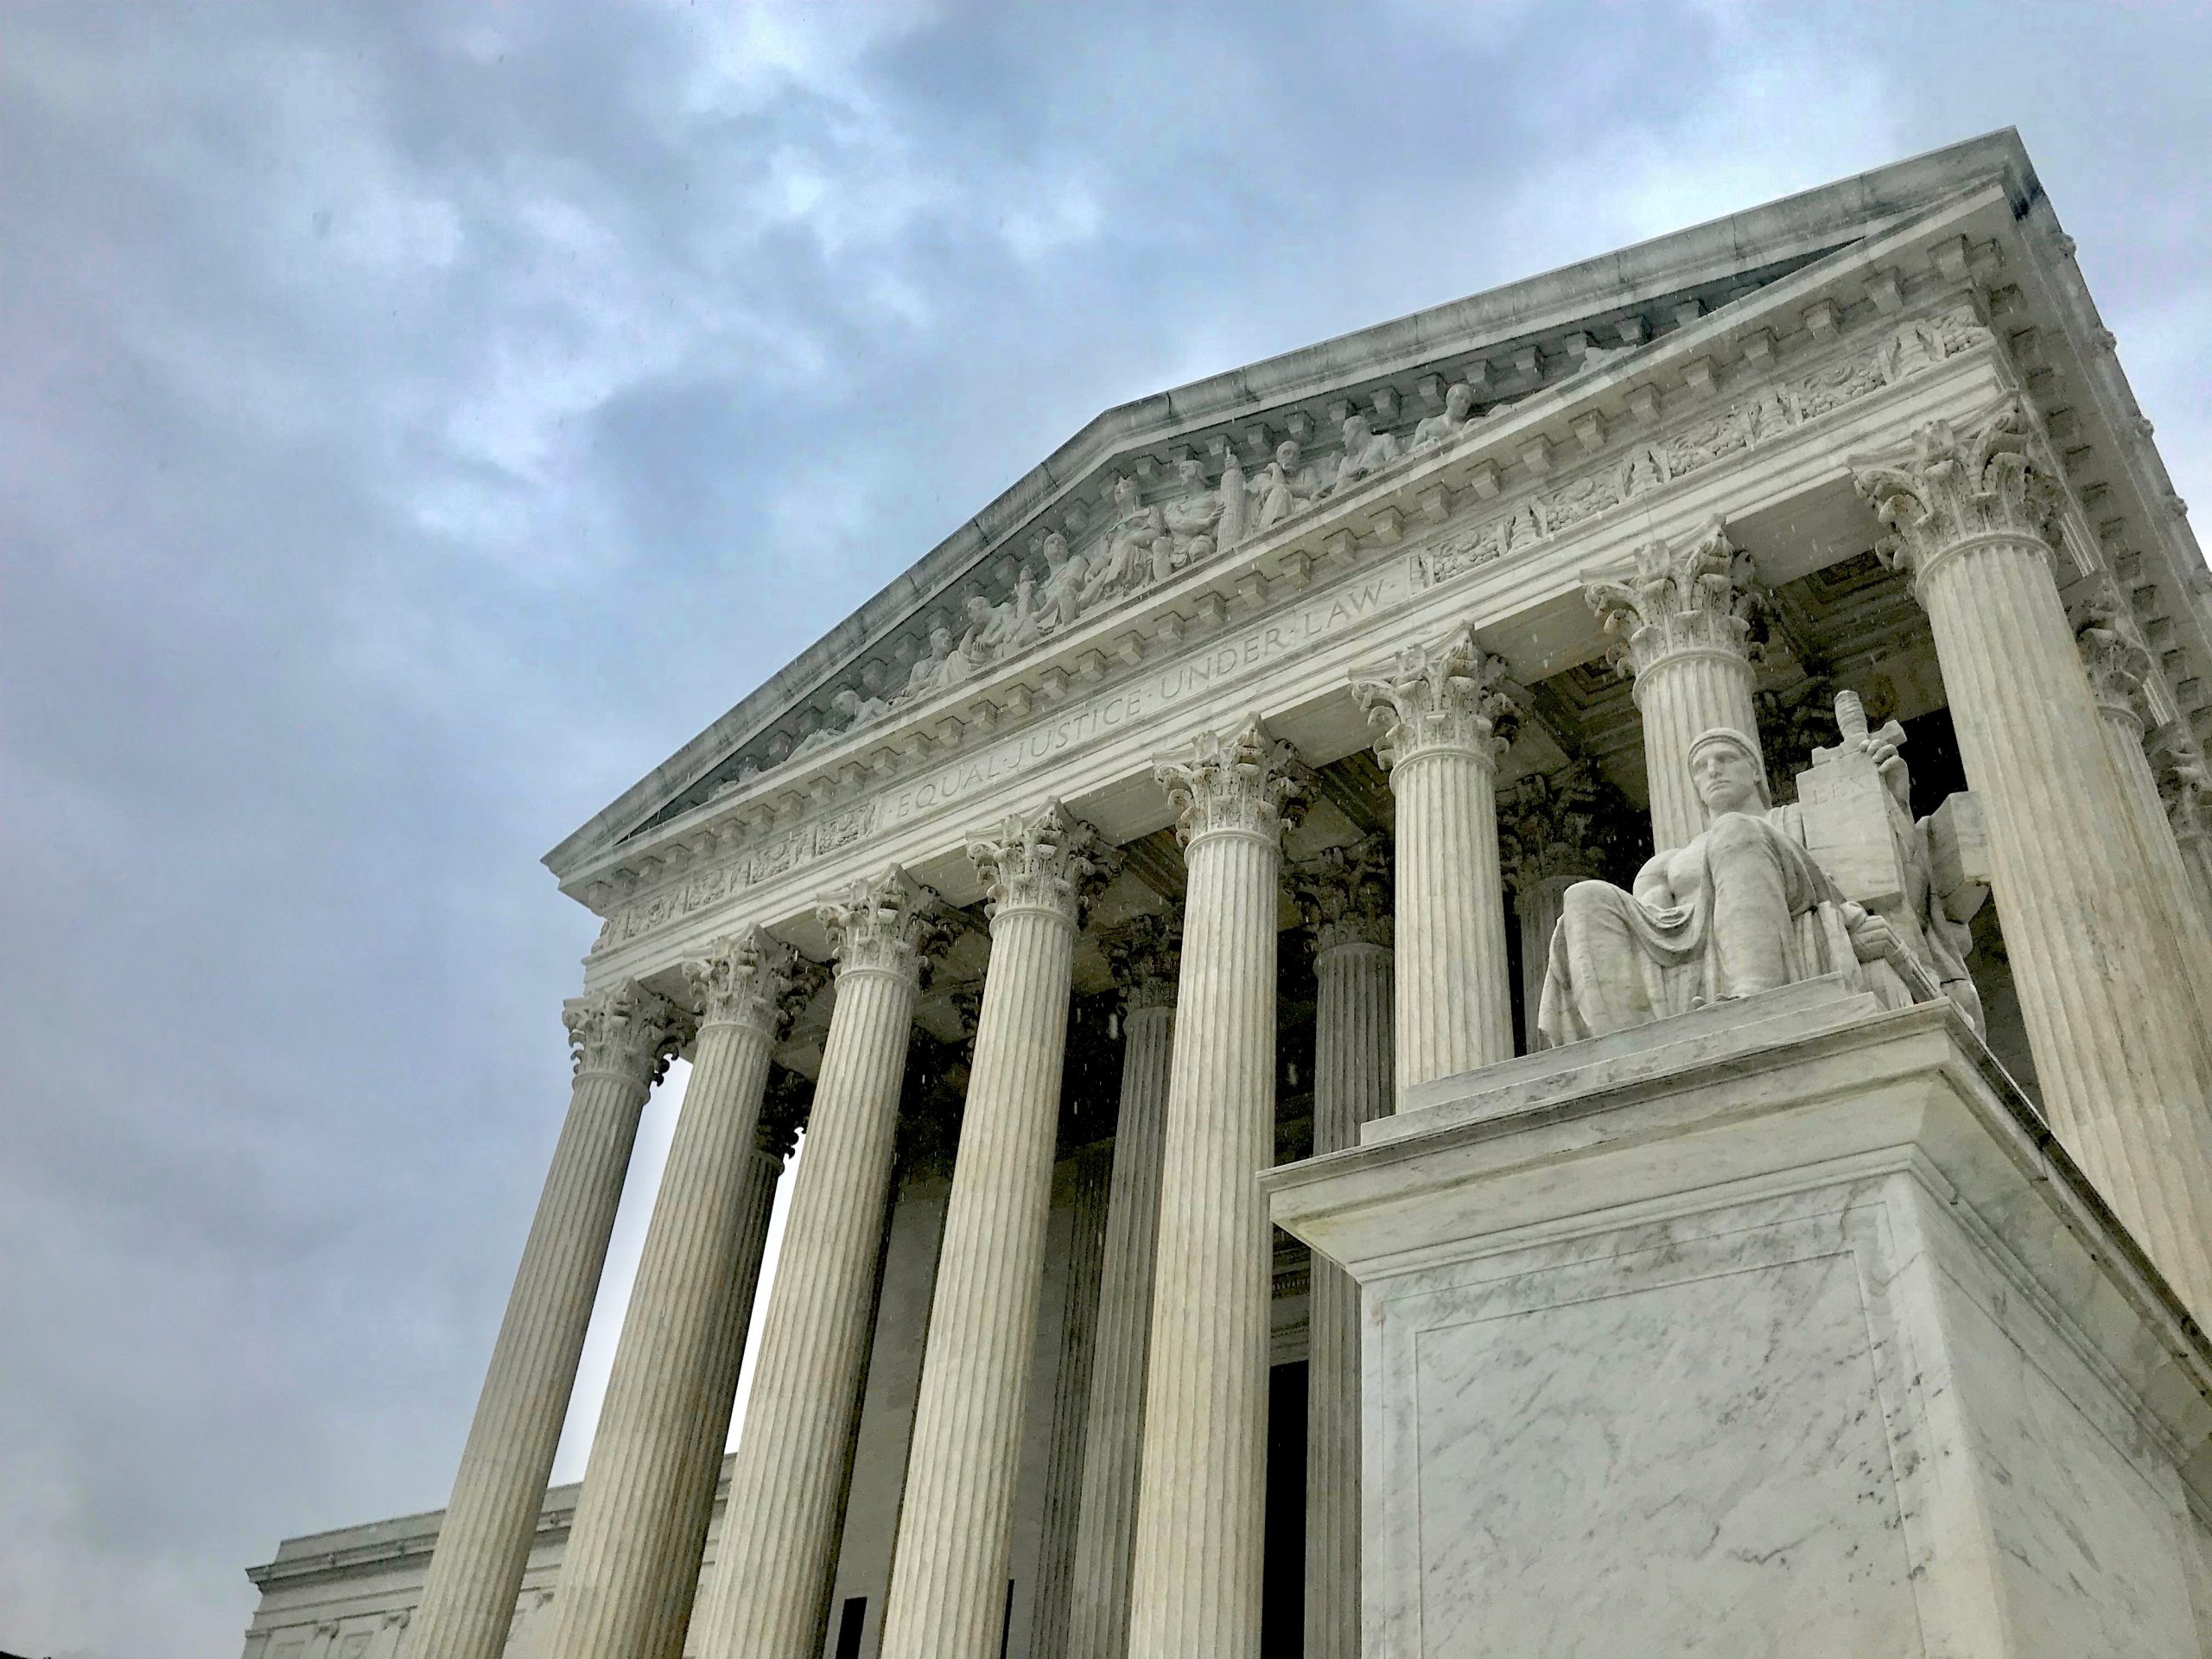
x=1232, y=794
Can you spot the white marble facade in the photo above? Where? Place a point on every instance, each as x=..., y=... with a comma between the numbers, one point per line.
x=1794, y=1334
x=1635, y=653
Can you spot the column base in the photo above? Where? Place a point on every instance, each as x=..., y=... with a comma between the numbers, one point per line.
x=1785, y=1326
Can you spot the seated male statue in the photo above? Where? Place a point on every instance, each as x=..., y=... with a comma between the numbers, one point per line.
x=1742, y=909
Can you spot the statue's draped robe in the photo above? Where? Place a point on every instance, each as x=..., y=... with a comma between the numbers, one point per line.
x=1618, y=962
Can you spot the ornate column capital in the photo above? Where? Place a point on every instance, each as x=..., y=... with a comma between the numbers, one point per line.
x=744, y=980
x=1442, y=698
x=1948, y=486
x=1048, y=860
x=1344, y=894
x=2119, y=665
x=1698, y=595
x=1546, y=828
x=1147, y=957
x=885, y=923
x=1242, y=784
x=2184, y=785
x=625, y=1031
x=785, y=1105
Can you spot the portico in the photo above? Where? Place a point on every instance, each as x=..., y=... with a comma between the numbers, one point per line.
x=1872, y=437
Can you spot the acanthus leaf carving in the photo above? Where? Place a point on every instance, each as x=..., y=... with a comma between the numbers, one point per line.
x=2184, y=786
x=625, y=1031
x=1699, y=594
x=1246, y=782
x=1950, y=486
x=2119, y=665
x=1343, y=894
x=1547, y=828
x=1046, y=860
x=1445, y=695
x=887, y=924
x=1146, y=955
x=744, y=980
x=785, y=1105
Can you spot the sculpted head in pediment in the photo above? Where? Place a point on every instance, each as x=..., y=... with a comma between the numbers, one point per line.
x=931, y=671
x=1366, y=451
x=1284, y=486
x=1447, y=424
x=1193, y=514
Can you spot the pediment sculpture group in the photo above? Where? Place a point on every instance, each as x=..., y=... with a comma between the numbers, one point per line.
x=1143, y=543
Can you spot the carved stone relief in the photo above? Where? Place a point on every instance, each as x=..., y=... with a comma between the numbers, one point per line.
x=1737, y=427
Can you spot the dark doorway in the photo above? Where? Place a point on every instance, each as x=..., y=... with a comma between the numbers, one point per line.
x=1282, y=1569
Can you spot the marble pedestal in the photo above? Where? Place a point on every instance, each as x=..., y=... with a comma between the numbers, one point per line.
x=1781, y=1327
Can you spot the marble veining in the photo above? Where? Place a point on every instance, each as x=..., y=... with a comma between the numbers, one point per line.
x=1702, y=1463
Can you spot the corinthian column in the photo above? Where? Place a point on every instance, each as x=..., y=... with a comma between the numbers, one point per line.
x=955, y=1523
x=621, y=1037
x=1056, y=1563
x=2119, y=668
x=1681, y=622
x=1145, y=955
x=2105, y=986
x=1441, y=710
x=1544, y=845
x=779, y=1526
x=1195, y=1579
x=2185, y=788
x=632, y=1560
x=1344, y=897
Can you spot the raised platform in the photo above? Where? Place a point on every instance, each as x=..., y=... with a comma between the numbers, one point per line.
x=1783, y=1328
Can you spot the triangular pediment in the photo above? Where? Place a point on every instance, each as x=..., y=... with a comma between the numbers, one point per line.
x=1146, y=489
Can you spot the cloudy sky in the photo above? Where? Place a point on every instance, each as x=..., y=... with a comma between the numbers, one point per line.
x=417, y=419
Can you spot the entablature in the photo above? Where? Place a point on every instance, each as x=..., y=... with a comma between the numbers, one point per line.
x=1291, y=650
x=1612, y=448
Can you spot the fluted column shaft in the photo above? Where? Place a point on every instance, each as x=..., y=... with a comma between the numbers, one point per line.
x=1056, y=1554
x=2186, y=794
x=1682, y=624
x=756, y=1205
x=2195, y=843
x=1679, y=696
x=632, y=1565
x=955, y=1523
x=1537, y=903
x=2104, y=990
x=2147, y=814
x=1098, y=1626
x=2119, y=668
x=1201, y=1499
x=1455, y=1002
x=2113, y=1053
x=1351, y=1084
x=621, y=1038
x=779, y=1526
x=1441, y=710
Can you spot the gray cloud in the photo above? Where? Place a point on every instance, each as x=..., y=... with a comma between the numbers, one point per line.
x=418, y=420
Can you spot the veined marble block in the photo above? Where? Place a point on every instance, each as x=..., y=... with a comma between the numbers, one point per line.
x=1780, y=1327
